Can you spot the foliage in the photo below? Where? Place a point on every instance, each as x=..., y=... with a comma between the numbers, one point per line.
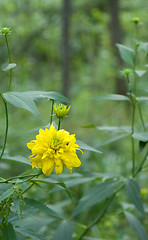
x=98, y=200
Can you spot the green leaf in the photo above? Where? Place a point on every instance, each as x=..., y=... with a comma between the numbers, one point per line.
x=115, y=129
x=84, y=146
x=142, y=99
x=30, y=233
x=17, y=207
x=18, y=159
x=10, y=66
x=136, y=226
x=60, y=184
x=6, y=194
x=38, y=95
x=111, y=140
x=141, y=136
x=19, y=99
x=140, y=73
x=126, y=53
x=94, y=196
x=64, y=231
x=8, y=232
x=41, y=207
x=114, y=97
x=134, y=194
x=141, y=146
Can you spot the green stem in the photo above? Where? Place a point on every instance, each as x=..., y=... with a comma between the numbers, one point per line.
x=6, y=130
x=10, y=61
x=51, y=117
x=59, y=124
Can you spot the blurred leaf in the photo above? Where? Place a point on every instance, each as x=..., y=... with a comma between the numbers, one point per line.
x=115, y=129
x=38, y=95
x=141, y=146
x=134, y=194
x=142, y=99
x=137, y=226
x=84, y=146
x=8, y=232
x=41, y=207
x=115, y=97
x=17, y=207
x=64, y=231
x=111, y=140
x=19, y=99
x=30, y=233
x=140, y=73
x=89, y=126
x=10, y=66
x=19, y=159
x=142, y=136
x=94, y=196
x=126, y=53
x=6, y=194
x=60, y=184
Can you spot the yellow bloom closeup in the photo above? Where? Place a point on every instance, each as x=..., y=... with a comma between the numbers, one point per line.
x=144, y=191
x=61, y=110
x=54, y=149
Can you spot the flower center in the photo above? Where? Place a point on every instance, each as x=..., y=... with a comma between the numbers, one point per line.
x=56, y=143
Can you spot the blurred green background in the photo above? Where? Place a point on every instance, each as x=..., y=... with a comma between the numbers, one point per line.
x=69, y=47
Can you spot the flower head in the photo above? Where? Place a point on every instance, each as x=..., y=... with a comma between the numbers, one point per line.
x=136, y=20
x=54, y=149
x=5, y=30
x=61, y=110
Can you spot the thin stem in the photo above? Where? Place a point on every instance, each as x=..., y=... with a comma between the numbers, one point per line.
x=51, y=117
x=59, y=124
x=6, y=130
x=9, y=61
x=141, y=164
x=133, y=128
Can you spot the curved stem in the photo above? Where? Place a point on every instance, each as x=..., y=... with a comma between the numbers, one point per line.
x=10, y=61
x=141, y=117
x=6, y=130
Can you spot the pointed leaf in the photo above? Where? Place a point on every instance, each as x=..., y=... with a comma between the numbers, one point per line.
x=30, y=233
x=38, y=95
x=8, y=232
x=114, y=97
x=42, y=207
x=141, y=136
x=142, y=99
x=84, y=146
x=18, y=159
x=140, y=73
x=136, y=226
x=95, y=195
x=134, y=194
x=141, y=146
x=126, y=53
x=19, y=99
x=111, y=140
x=115, y=129
x=64, y=231
x=10, y=66
x=6, y=194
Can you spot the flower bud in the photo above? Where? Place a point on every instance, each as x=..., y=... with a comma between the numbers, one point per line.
x=5, y=30
x=144, y=191
x=127, y=72
x=136, y=20
x=61, y=110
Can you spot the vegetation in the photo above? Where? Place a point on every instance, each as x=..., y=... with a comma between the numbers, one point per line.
x=91, y=55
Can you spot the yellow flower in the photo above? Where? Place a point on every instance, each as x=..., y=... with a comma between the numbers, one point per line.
x=61, y=110
x=54, y=149
x=144, y=191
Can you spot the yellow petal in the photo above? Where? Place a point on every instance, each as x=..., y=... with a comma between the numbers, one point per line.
x=48, y=166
